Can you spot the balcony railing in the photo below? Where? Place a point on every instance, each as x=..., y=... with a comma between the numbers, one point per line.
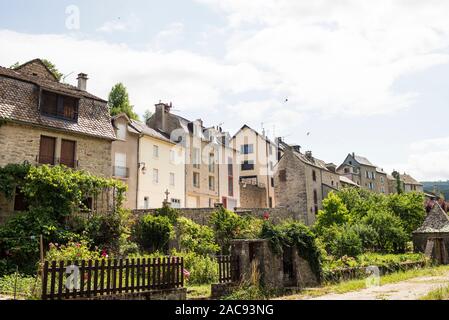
x=42, y=159
x=120, y=172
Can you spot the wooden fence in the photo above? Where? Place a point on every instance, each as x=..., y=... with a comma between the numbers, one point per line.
x=228, y=269
x=87, y=279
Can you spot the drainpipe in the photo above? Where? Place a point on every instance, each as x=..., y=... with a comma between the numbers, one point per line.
x=138, y=171
x=268, y=177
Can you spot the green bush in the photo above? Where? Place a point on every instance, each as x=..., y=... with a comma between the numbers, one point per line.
x=227, y=226
x=202, y=269
x=153, y=233
x=409, y=207
x=196, y=238
x=170, y=213
x=251, y=227
x=24, y=286
x=334, y=213
x=72, y=251
x=391, y=235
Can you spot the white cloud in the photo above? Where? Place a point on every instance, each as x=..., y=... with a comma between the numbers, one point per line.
x=427, y=160
x=339, y=57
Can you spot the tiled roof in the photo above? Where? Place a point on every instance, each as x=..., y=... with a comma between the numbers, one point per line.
x=407, y=179
x=436, y=221
x=146, y=130
x=95, y=121
x=348, y=181
x=47, y=84
x=363, y=160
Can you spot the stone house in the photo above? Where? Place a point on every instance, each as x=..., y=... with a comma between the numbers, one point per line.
x=407, y=183
x=204, y=147
x=45, y=121
x=365, y=174
x=302, y=182
x=432, y=237
x=257, y=158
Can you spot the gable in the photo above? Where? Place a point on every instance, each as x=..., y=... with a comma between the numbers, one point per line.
x=36, y=68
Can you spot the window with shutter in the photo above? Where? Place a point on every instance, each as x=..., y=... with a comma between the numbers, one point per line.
x=59, y=106
x=68, y=153
x=47, y=150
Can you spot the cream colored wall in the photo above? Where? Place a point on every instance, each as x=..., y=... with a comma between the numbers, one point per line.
x=259, y=156
x=156, y=191
x=224, y=155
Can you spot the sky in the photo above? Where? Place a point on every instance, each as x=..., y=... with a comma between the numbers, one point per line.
x=334, y=76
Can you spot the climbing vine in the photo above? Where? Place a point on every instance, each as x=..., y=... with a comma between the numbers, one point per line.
x=294, y=235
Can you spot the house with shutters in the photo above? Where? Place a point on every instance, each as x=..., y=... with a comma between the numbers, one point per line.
x=364, y=173
x=211, y=176
x=45, y=121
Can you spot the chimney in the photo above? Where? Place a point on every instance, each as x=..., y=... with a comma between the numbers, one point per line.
x=161, y=114
x=82, y=81
x=297, y=148
x=353, y=154
x=309, y=155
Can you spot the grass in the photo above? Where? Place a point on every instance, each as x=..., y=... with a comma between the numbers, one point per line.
x=438, y=294
x=355, y=285
x=199, y=291
x=25, y=287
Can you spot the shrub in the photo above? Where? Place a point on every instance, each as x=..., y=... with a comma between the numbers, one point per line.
x=166, y=211
x=152, y=233
x=391, y=235
x=367, y=234
x=251, y=227
x=202, y=269
x=334, y=212
x=409, y=207
x=24, y=286
x=227, y=226
x=73, y=251
x=197, y=238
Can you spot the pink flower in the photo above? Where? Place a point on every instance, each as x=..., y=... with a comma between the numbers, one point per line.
x=78, y=245
x=186, y=273
x=266, y=215
x=104, y=254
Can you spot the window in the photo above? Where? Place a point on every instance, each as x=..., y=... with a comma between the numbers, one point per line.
x=248, y=165
x=196, y=158
x=172, y=156
x=59, y=106
x=230, y=167
x=314, y=175
x=155, y=176
x=283, y=175
x=247, y=149
x=196, y=179
x=68, y=153
x=172, y=179
x=382, y=179
x=270, y=149
x=121, y=131
x=155, y=151
x=120, y=169
x=211, y=183
x=47, y=150
x=176, y=203
x=211, y=163
x=346, y=170
x=315, y=197
x=272, y=182
x=271, y=165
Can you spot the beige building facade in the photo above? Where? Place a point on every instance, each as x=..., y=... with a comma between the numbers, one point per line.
x=257, y=159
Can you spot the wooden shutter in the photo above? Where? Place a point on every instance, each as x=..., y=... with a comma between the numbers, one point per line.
x=47, y=150
x=68, y=153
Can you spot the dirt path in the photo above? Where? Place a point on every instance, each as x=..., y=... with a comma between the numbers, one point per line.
x=411, y=289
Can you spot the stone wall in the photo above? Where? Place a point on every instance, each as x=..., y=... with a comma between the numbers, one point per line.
x=252, y=196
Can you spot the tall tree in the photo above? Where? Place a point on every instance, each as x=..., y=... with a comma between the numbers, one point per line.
x=119, y=102
x=397, y=176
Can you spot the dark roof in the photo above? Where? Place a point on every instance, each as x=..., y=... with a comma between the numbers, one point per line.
x=363, y=160
x=146, y=130
x=47, y=84
x=90, y=123
x=436, y=221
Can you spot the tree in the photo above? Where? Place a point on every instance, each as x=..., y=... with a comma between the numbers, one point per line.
x=334, y=213
x=409, y=207
x=119, y=102
x=147, y=115
x=397, y=176
x=48, y=64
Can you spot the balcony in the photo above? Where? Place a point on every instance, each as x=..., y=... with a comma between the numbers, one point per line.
x=52, y=161
x=120, y=172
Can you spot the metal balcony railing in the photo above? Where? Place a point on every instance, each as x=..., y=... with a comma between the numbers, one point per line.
x=120, y=172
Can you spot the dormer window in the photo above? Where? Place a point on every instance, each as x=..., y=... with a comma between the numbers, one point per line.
x=59, y=106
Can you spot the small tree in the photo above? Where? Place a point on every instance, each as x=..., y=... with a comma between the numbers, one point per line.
x=147, y=115
x=119, y=102
x=397, y=176
x=334, y=212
